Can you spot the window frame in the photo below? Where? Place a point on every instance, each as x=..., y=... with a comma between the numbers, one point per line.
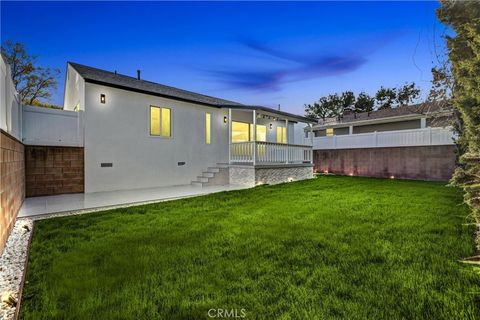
x=208, y=128
x=284, y=138
x=159, y=136
x=248, y=131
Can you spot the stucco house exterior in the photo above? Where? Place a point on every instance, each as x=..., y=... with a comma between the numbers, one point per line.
x=413, y=142
x=133, y=134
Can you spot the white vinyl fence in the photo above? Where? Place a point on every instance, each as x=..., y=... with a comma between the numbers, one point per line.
x=51, y=127
x=399, y=138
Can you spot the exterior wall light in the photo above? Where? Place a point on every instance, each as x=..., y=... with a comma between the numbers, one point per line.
x=102, y=98
x=225, y=118
x=271, y=126
x=392, y=177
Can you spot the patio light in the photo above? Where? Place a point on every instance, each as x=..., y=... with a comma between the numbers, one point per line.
x=392, y=177
x=225, y=118
x=271, y=125
x=102, y=98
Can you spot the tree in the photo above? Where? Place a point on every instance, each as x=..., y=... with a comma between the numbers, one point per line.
x=385, y=98
x=464, y=54
x=33, y=83
x=407, y=94
x=326, y=107
x=347, y=101
x=364, y=103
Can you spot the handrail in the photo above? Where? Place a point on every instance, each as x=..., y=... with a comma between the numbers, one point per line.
x=261, y=152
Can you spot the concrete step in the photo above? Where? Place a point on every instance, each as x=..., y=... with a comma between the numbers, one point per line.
x=222, y=165
x=208, y=174
x=213, y=169
x=197, y=183
x=202, y=179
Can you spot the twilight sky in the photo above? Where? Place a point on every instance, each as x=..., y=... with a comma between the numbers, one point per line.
x=263, y=53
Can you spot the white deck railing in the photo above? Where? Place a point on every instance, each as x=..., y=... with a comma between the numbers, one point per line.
x=269, y=153
x=399, y=138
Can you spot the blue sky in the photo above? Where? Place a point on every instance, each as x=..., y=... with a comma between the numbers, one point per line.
x=266, y=53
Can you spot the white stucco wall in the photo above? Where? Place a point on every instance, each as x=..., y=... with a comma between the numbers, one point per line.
x=74, y=90
x=10, y=106
x=118, y=132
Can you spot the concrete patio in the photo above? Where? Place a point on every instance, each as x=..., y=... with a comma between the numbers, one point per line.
x=77, y=202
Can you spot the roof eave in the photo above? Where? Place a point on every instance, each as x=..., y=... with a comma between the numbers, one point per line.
x=272, y=112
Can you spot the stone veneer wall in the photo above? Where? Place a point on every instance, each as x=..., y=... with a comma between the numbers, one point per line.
x=422, y=163
x=54, y=170
x=12, y=183
x=251, y=176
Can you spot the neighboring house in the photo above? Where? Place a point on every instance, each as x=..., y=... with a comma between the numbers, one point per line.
x=121, y=132
x=413, y=142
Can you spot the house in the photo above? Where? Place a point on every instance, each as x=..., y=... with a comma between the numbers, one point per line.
x=121, y=132
x=412, y=142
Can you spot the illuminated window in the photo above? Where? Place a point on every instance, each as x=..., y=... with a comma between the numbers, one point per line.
x=261, y=132
x=207, y=127
x=160, y=121
x=240, y=132
x=281, y=135
x=166, y=130
x=154, y=121
x=329, y=132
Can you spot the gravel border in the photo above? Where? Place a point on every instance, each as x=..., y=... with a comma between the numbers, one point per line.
x=12, y=266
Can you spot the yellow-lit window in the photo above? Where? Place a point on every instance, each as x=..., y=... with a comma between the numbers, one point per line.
x=240, y=132
x=154, y=121
x=329, y=132
x=207, y=127
x=166, y=117
x=281, y=135
x=261, y=132
x=160, y=122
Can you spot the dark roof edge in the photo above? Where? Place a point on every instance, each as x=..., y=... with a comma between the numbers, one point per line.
x=103, y=83
x=149, y=93
x=173, y=97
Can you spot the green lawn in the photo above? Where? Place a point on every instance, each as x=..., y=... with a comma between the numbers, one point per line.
x=328, y=248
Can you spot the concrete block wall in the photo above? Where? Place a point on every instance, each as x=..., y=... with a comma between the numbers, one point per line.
x=12, y=183
x=421, y=163
x=54, y=170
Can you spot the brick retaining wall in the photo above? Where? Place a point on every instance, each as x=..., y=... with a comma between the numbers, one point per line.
x=422, y=163
x=53, y=170
x=12, y=183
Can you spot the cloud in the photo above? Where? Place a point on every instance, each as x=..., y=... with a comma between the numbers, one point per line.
x=289, y=67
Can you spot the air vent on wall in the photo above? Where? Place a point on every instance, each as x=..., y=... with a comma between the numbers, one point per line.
x=106, y=164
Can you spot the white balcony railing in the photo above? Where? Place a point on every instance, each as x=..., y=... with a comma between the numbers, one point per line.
x=399, y=138
x=269, y=153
